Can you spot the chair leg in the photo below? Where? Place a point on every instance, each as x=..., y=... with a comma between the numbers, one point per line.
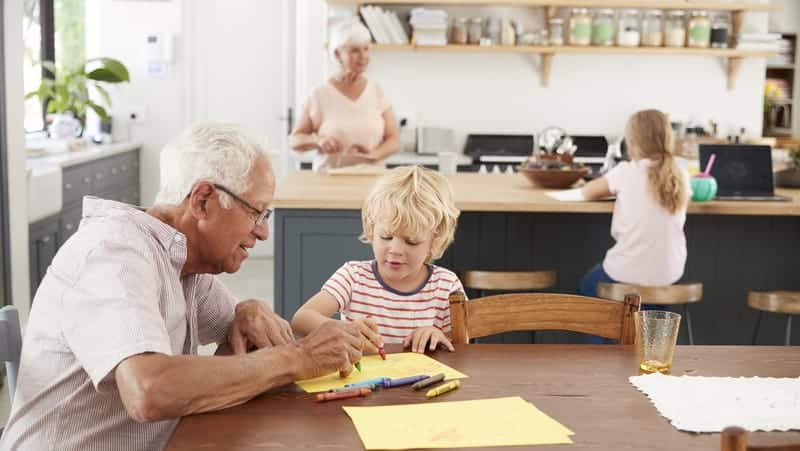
x=688, y=323
x=788, y=341
x=758, y=324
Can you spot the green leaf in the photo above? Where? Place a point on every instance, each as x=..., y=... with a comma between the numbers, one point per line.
x=103, y=93
x=113, y=69
x=99, y=110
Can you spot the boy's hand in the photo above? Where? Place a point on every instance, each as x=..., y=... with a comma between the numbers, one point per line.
x=425, y=335
x=369, y=332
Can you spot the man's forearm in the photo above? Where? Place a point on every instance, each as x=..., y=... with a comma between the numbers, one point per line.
x=156, y=387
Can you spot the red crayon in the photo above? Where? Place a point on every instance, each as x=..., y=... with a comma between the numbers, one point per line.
x=382, y=353
x=354, y=393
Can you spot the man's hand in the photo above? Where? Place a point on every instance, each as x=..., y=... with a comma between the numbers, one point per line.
x=335, y=345
x=424, y=335
x=255, y=325
x=369, y=333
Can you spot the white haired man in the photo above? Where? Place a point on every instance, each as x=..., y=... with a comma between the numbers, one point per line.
x=109, y=355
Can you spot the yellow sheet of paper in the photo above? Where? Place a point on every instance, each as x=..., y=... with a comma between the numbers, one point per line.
x=396, y=365
x=486, y=422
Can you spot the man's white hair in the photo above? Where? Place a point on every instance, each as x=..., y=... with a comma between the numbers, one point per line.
x=349, y=31
x=214, y=152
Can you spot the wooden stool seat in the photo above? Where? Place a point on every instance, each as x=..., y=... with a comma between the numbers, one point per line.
x=784, y=302
x=679, y=294
x=508, y=280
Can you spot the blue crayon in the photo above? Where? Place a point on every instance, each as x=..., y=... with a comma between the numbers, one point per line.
x=367, y=382
x=403, y=381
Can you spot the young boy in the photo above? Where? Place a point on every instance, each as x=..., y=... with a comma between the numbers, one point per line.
x=410, y=218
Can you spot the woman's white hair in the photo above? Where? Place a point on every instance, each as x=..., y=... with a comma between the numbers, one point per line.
x=214, y=152
x=349, y=31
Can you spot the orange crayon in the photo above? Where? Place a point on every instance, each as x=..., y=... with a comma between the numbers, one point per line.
x=346, y=394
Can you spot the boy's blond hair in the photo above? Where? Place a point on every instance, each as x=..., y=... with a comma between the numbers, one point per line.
x=413, y=200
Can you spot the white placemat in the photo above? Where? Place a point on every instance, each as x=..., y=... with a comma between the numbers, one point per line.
x=710, y=404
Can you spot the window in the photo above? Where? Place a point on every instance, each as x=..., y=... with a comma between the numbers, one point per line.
x=54, y=30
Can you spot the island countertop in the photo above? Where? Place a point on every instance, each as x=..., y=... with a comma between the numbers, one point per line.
x=489, y=193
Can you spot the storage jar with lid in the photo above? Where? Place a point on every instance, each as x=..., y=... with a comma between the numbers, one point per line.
x=475, y=31
x=556, y=31
x=720, y=27
x=652, y=34
x=603, y=27
x=699, y=30
x=628, y=31
x=674, y=29
x=458, y=34
x=580, y=27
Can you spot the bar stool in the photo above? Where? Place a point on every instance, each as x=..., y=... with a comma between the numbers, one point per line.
x=786, y=302
x=678, y=294
x=508, y=280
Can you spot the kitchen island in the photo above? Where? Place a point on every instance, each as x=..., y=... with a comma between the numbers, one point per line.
x=506, y=224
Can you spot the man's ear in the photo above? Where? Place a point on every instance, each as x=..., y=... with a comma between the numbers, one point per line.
x=199, y=197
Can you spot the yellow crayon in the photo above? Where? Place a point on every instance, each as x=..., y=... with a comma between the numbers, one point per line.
x=444, y=388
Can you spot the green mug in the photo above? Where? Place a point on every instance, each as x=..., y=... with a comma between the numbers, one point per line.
x=704, y=188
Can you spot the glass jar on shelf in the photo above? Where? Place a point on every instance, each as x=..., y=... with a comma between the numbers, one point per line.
x=492, y=30
x=675, y=29
x=720, y=27
x=580, y=27
x=699, y=30
x=628, y=30
x=652, y=30
x=475, y=31
x=556, y=31
x=603, y=27
x=458, y=34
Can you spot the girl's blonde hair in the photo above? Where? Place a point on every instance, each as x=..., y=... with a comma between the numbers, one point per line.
x=650, y=133
x=412, y=200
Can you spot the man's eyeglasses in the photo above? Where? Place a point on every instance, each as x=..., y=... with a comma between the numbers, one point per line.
x=258, y=216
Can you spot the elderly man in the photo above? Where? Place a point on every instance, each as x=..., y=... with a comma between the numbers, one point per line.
x=109, y=358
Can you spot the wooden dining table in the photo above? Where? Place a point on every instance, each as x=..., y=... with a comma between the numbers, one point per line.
x=585, y=387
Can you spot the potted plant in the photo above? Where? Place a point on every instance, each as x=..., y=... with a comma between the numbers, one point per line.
x=790, y=177
x=68, y=95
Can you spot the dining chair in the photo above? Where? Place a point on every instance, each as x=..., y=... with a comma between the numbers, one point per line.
x=734, y=438
x=782, y=302
x=678, y=294
x=502, y=313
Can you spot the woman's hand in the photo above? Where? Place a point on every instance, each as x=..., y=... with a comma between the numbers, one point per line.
x=422, y=336
x=329, y=145
x=369, y=332
x=361, y=151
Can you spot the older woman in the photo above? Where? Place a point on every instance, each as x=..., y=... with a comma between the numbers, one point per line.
x=348, y=119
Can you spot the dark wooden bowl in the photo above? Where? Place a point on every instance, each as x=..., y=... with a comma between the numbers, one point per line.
x=553, y=178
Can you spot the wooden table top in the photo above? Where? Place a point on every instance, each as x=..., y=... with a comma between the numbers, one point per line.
x=488, y=192
x=585, y=387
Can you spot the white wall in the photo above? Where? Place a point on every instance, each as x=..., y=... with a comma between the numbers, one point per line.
x=116, y=29
x=15, y=140
x=787, y=18
x=588, y=94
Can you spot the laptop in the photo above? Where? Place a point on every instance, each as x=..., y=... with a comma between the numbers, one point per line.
x=743, y=172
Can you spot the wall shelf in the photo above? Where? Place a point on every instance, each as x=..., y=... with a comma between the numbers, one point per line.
x=644, y=4
x=733, y=57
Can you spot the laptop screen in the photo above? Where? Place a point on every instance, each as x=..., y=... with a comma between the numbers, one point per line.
x=740, y=170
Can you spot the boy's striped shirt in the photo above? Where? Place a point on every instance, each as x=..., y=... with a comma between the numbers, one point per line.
x=361, y=293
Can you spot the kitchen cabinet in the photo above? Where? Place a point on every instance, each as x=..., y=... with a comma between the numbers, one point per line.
x=733, y=58
x=115, y=178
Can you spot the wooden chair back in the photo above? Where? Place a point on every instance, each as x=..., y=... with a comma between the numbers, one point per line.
x=787, y=302
x=735, y=439
x=508, y=280
x=492, y=315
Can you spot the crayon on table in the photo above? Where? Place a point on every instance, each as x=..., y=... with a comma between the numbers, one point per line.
x=428, y=382
x=444, y=388
x=364, y=383
x=358, y=366
x=382, y=353
x=397, y=382
x=354, y=393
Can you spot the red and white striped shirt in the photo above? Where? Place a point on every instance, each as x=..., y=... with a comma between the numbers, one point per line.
x=361, y=293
